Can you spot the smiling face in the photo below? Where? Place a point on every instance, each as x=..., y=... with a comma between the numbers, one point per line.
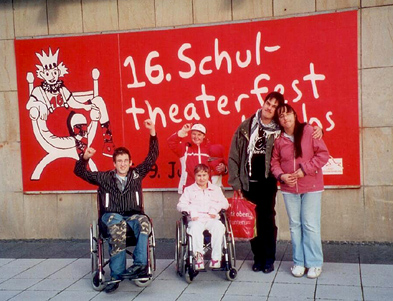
x=51, y=76
x=122, y=164
x=268, y=109
x=197, y=137
x=287, y=119
x=202, y=178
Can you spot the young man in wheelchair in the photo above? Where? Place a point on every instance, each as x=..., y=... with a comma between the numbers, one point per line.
x=122, y=191
x=203, y=202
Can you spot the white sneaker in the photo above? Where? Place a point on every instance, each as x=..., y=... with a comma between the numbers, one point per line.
x=215, y=264
x=314, y=272
x=298, y=271
x=199, y=262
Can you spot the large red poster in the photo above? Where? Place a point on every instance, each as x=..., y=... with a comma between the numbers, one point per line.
x=218, y=75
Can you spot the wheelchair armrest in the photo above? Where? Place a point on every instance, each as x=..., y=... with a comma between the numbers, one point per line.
x=185, y=217
x=223, y=215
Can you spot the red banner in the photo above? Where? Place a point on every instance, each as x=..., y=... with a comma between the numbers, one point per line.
x=97, y=90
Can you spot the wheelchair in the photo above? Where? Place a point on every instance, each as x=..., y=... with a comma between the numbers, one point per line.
x=184, y=258
x=98, y=237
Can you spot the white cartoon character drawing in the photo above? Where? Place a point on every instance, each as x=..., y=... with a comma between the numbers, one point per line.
x=52, y=94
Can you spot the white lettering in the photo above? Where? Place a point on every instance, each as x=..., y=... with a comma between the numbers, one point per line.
x=280, y=88
x=149, y=69
x=192, y=114
x=258, y=48
x=246, y=62
x=202, y=69
x=187, y=60
x=173, y=111
x=296, y=89
x=221, y=104
x=219, y=57
x=205, y=98
x=134, y=111
x=332, y=124
x=153, y=113
x=260, y=90
x=313, y=78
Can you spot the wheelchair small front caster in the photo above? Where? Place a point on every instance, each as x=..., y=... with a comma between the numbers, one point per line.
x=231, y=274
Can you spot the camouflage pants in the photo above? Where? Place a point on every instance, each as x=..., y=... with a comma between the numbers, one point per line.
x=117, y=226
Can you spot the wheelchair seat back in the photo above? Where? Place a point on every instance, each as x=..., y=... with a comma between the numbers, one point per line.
x=130, y=237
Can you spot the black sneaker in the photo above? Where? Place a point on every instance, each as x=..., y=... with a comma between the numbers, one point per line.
x=257, y=266
x=134, y=272
x=112, y=286
x=268, y=268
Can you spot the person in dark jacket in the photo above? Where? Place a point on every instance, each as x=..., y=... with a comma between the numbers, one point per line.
x=120, y=192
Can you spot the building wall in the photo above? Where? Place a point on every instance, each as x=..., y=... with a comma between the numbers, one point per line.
x=364, y=214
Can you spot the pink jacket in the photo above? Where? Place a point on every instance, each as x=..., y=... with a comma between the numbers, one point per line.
x=315, y=156
x=200, y=203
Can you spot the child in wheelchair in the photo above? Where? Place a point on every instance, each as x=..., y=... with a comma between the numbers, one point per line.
x=203, y=201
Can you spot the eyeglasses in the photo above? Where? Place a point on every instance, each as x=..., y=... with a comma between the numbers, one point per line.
x=282, y=116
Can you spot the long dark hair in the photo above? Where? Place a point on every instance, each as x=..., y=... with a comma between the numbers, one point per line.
x=298, y=130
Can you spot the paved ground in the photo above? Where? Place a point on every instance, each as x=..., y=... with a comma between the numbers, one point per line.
x=60, y=270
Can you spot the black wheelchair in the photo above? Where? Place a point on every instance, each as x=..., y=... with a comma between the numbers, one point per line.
x=98, y=237
x=184, y=258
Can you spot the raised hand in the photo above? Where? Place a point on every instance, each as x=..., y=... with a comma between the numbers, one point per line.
x=89, y=152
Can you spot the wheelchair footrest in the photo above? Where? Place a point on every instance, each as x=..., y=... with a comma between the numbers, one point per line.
x=113, y=281
x=143, y=278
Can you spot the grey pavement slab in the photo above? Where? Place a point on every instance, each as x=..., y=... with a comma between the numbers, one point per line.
x=68, y=279
x=43, y=270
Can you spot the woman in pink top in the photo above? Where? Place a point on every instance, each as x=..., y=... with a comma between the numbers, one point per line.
x=203, y=202
x=297, y=163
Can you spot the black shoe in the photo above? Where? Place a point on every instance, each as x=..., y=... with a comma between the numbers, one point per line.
x=268, y=268
x=134, y=272
x=257, y=267
x=111, y=287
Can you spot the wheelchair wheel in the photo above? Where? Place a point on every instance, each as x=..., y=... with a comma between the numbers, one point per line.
x=190, y=274
x=231, y=252
x=143, y=282
x=152, y=253
x=94, y=247
x=97, y=283
x=231, y=274
x=180, y=250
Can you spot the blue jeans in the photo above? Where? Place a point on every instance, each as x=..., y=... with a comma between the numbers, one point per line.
x=304, y=213
x=118, y=260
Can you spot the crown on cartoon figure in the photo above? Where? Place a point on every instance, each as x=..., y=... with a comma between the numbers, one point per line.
x=48, y=61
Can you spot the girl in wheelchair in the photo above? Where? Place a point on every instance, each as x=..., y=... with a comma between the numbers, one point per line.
x=203, y=201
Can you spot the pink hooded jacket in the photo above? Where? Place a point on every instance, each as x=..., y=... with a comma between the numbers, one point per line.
x=315, y=156
x=200, y=203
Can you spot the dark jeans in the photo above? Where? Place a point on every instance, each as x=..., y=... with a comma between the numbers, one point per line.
x=263, y=194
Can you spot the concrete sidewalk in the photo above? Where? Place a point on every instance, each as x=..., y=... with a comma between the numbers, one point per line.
x=60, y=270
